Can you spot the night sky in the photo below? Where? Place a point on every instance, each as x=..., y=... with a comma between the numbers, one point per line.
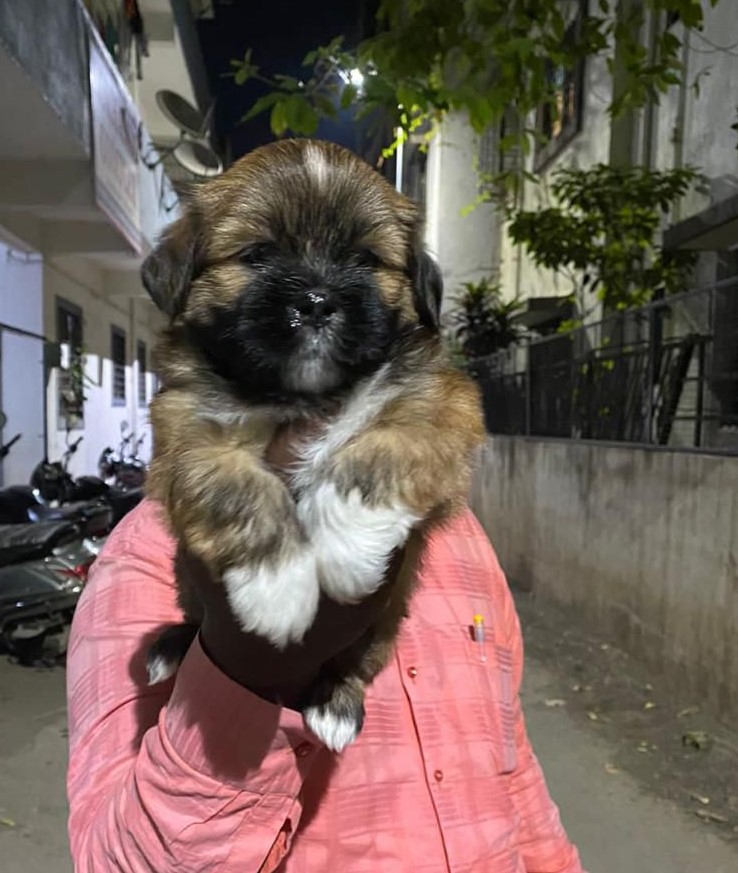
x=280, y=32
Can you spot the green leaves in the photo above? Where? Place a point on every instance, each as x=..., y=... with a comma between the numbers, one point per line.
x=480, y=57
x=601, y=234
x=481, y=322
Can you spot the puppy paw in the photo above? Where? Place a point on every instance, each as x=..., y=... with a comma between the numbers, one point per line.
x=353, y=540
x=166, y=654
x=276, y=602
x=336, y=722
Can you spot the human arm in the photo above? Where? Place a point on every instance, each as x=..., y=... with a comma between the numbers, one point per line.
x=194, y=775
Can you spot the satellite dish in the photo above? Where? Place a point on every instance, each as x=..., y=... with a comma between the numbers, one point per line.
x=197, y=158
x=191, y=151
x=183, y=114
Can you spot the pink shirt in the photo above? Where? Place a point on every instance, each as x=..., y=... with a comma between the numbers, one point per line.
x=201, y=775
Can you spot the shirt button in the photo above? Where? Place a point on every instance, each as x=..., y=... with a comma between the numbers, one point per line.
x=303, y=750
x=412, y=672
x=438, y=775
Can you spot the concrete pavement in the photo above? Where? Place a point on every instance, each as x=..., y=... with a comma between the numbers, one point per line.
x=618, y=827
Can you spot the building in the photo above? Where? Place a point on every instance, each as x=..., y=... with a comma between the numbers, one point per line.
x=83, y=196
x=692, y=125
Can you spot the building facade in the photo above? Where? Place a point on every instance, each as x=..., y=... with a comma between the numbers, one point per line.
x=83, y=197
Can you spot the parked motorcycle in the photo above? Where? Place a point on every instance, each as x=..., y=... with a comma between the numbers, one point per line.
x=52, y=480
x=44, y=570
x=125, y=471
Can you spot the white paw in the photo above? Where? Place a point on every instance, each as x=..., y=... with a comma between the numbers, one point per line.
x=278, y=603
x=333, y=730
x=353, y=542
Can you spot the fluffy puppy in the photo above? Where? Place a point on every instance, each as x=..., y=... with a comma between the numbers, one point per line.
x=296, y=285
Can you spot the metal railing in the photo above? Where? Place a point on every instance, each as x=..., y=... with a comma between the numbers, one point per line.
x=665, y=374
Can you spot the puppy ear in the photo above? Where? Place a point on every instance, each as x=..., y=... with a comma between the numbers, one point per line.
x=427, y=289
x=170, y=268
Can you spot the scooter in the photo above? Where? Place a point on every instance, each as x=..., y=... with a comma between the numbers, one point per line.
x=55, y=484
x=39, y=593
x=126, y=472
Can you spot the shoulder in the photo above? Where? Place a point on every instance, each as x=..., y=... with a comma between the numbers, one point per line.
x=460, y=547
x=459, y=561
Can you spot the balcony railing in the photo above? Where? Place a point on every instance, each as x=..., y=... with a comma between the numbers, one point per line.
x=664, y=375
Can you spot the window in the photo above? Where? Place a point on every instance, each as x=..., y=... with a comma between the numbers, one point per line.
x=70, y=387
x=118, y=357
x=560, y=119
x=141, y=359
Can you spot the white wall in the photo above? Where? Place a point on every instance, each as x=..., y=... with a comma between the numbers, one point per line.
x=21, y=362
x=518, y=275
x=710, y=109
x=466, y=246
x=83, y=284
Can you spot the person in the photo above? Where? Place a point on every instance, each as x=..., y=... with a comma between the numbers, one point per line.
x=213, y=771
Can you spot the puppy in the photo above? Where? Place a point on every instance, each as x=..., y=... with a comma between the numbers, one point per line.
x=296, y=285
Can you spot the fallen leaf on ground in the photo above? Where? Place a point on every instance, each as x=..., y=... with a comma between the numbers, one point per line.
x=611, y=769
x=649, y=704
x=554, y=701
x=697, y=739
x=690, y=710
x=592, y=716
x=710, y=816
x=8, y=822
x=700, y=798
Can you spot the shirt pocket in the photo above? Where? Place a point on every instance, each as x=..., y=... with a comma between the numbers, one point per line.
x=491, y=665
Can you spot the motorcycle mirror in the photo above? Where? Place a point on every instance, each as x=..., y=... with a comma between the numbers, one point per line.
x=3, y=419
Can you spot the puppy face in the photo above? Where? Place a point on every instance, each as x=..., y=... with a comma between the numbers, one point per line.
x=297, y=272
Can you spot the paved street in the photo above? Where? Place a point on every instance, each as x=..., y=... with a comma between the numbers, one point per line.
x=616, y=819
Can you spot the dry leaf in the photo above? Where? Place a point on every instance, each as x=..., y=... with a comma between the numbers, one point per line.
x=592, y=716
x=554, y=701
x=611, y=769
x=710, y=816
x=697, y=739
x=690, y=710
x=8, y=822
x=700, y=798
x=649, y=705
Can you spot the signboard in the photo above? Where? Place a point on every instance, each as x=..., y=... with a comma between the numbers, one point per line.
x=115, y=145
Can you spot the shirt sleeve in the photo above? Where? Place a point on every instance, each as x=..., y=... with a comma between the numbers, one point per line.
x=196, y=774
x=544, y=845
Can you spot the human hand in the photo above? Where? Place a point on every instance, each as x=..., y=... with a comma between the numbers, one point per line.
x=279, y=675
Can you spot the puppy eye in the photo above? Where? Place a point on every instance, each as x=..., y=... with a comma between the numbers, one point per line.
x=256, y=254
x=368, y=258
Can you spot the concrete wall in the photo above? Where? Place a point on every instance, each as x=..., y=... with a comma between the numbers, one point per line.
x=80, y=283
x=518, y=275
x=21, y=362
x=641, y=544
x=466, y=246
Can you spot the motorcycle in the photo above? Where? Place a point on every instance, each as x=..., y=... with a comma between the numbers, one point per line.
x=126, y=472
x=55, y=484
x=42, y=574
x=43, y=567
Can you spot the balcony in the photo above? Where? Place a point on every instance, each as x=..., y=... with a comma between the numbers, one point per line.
x=71, y=178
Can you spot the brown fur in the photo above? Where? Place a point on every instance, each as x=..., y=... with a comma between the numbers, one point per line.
x=223, y=503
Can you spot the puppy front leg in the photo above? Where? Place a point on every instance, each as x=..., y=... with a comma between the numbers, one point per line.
x=353, y=537
x=238, y=517
x=412, y=465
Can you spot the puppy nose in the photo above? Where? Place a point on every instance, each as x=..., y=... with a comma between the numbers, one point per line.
x=316, y=307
